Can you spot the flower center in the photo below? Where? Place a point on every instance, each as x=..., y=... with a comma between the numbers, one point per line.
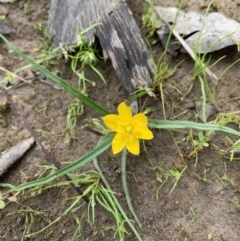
x=128, y=129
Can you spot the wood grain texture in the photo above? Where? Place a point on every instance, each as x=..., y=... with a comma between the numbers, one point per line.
x=118, y=34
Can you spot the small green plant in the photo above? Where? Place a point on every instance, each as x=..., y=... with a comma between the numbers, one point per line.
x=224, y=119
x=87, y=55
x=161, y=68
x=204, y=176
x=149, y=21
x=183, y=230
x=26, y=5
x=199, y=141
x=161, y=72
x=82, y=56
x=233, y=151
x=43, y=37
x=210, y=236
x=163, y=175
x=224, y=178
x=31, y=217
x=236, y=202
x=75, y=109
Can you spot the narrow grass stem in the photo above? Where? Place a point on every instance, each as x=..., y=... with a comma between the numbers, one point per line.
x=204, y=99
x=95, y=162
x=125, y=186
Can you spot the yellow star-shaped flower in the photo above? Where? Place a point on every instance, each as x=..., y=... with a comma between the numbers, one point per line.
x=129, y=129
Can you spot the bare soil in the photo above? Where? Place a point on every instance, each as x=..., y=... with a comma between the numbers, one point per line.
x=201, y=207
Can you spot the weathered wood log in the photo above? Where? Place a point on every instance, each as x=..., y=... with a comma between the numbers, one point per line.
x=118, y=34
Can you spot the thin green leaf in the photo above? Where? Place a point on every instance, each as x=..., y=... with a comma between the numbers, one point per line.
x=86, y=100
x=90, y=28
x=171, y=125
x=103, y=145
x=125, y=186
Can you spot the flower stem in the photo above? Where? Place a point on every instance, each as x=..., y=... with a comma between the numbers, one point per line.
x=125, y=187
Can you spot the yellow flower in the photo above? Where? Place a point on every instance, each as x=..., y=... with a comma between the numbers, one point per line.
x=129, y=129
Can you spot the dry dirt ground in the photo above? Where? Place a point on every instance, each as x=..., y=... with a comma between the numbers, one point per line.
x=203, y=206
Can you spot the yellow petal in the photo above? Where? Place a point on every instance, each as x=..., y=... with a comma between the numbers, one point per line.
x=112, y=121
x=133, y=146
x=118, y=143
x=125, y=112
x=140, y=118
x=142, y=132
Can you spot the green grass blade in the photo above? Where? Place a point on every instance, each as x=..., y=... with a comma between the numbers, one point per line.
x=86, y=100
x=125, y=186
x=175, y=124
x=103, y=145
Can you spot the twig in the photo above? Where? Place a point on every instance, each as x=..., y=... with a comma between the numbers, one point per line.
x=14, y=153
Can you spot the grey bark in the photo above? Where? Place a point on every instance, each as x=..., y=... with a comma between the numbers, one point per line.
x=118, y=34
